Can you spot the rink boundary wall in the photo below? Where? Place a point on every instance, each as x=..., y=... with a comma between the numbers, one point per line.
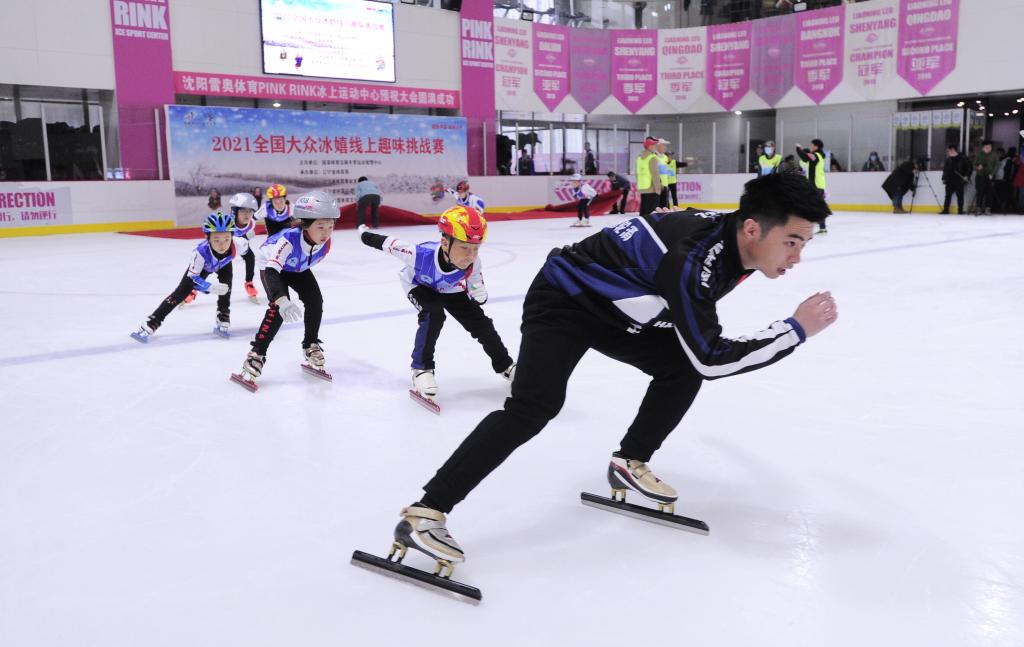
x=147, y=205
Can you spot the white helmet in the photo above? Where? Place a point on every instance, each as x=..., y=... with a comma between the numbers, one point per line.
x=576, y=177
x=314, y=206
x=243, y=201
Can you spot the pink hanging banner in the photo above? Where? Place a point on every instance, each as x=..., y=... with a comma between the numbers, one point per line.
x=143, y=78
x=772, y=57
x=870, y=50
x=513, y=66
x=590, y=64
x=550, y=64
x=728, y=68
x=819, y=56
x=634, y=66
x=476, y=32
x=263, y=87
x=927, y=41
x=681, y=65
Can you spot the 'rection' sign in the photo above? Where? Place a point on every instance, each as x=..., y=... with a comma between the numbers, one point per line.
x=33, y=207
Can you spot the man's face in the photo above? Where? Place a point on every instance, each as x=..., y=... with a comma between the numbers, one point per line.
x=461, y=254
x=951, y=152
x=777, y=250
x=661, y=149
x=242, y=217
x=220, y=241
x=320, y=230
x=278, y=203
x=987, y=148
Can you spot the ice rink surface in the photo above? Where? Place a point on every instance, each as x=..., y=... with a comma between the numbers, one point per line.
x=867, y=490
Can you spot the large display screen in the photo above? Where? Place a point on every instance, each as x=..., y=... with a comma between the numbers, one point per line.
x=336, y=39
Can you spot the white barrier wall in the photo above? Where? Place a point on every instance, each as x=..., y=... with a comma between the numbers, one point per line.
x=103, y=206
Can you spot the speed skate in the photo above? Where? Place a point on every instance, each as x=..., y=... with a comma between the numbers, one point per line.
x=664, y=515
x=439, y=581
x=246, y=383
x=428, y=403
x=316, y=372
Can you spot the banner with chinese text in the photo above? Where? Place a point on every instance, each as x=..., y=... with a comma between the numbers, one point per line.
x=411, y=157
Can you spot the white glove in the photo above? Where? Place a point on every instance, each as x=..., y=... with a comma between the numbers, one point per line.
x=290, y=312
x=478, y=292
x=451, y=192
x=362, y=228
x=219, y=288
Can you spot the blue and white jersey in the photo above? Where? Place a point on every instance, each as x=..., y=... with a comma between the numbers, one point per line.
x=248, y=232
x=584, y=192
x=471, y=200
x=267, y=212
x=289, y=251
x=667, y=270
x=423, y=267
x=204, y=260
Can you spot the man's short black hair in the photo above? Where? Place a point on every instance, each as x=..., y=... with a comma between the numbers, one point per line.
x=953, y=147
x=987, y=142
x=772, y=199
x=362, y=178
x=820, y=144
x=611, y=173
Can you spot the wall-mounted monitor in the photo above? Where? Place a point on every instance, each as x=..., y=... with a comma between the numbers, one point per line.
x=335, y=39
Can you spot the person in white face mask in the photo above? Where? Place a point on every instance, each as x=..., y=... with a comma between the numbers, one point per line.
x=770, y=160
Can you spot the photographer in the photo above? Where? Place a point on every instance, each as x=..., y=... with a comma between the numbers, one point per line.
x=954, y=175
x=986, y=163
x=901, y=180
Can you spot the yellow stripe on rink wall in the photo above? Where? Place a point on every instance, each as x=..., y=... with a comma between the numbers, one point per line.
x=46, y=230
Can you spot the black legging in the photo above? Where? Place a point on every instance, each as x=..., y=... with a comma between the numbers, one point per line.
x=308, y=290
x=185, y=287
x=250, y=264
x=622, y=203
x=583, y=209
x=369, y=203
x=432, y=306
x=672, y=192
x=648, y=203
x=556, y=335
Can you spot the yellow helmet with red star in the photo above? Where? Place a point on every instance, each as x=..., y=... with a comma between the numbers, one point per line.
x=463, y=223
x=276, y=191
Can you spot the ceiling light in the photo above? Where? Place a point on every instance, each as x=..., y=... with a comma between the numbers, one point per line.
x=960, y=105
x=737, y=112
x=977, y=101
x=276, y=104
x=1006, y=114
x=1014, y=111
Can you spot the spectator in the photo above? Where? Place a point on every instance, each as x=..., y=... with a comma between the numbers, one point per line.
x=648, y=177
x=619, y=183
x=758, y=154
x=1004, y=182
x=673, y=168
x=769, y=160
x=589, y=163
x=986, y=162
x=834, y=165
x=901, y=180
x=815, y=159
x=1018, y=180
x=213, y=201
x=258, y=194
x=525, y=163
x=873, y=163
x=367, y=199
x=707, y=9
x=954, y=175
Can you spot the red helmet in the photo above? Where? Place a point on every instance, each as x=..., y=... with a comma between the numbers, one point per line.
x=276, y=191
x=462, y=186
x=463, y=223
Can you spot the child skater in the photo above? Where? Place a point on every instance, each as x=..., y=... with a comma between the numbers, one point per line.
x=212, y=256
x=585, y=194
x=243, y=206
x=444, y=276
x=276, y=212
x=464, y=198
x=285, y=263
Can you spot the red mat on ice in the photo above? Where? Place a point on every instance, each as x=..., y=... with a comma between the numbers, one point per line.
x=395, y=217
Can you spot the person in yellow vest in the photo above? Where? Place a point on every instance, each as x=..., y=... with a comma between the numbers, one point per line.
x=815, y=159
x=673, y=169
x=648, y=178
x=663, y=171
x=770, y=160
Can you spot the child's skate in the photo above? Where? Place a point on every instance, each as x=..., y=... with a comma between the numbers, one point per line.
x=250, y=289
x=142, y=334
x=252, y=368
x=423, y=529
x=315, y=362
x=222, y=326
x=424, y=389
x=626, y=474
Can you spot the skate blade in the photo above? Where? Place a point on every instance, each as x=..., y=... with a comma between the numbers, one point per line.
x=222, y=333
x=139, y=338
x=248, y=385
x=676, y=521
x=423, y=579
x=315, y=372
x=254, y=300
x=425, y=402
